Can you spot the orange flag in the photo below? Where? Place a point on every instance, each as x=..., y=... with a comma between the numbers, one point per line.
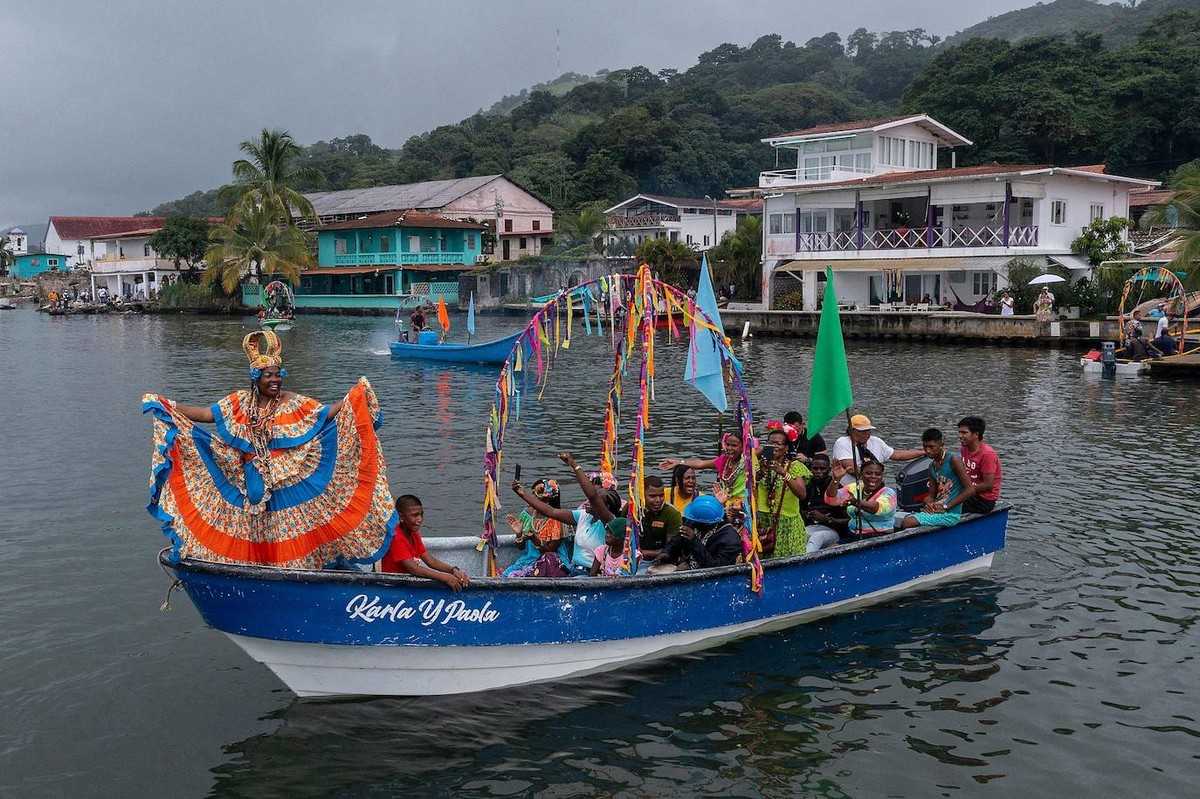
x=443, y=314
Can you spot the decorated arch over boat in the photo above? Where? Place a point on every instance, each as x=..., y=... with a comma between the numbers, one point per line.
x=1162, y=277
x=630, y=309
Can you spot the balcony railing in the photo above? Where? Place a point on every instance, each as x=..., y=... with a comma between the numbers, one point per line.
x=403, y=258
x=914, y=238
x=617, y=222
x=781, y=177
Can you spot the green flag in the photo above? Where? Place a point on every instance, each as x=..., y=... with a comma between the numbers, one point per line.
x=829, y=393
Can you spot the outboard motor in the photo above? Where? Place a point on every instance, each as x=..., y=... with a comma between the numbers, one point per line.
x=912, y=484
x=1108, y=359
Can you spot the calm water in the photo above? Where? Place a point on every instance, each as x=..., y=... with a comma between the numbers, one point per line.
x=1070, y=667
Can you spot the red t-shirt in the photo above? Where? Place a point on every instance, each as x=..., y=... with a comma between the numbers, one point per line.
x=984, y=461
x=403, y=548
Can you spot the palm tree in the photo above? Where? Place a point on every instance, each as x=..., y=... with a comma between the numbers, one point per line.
x=585, y=226
x=255, y=242
x=269, y=176
x=1183, y=214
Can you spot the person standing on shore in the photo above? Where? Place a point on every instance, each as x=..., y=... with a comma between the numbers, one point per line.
x=983, y=465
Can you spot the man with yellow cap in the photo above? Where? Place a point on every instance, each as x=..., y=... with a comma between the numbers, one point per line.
x=860, y=435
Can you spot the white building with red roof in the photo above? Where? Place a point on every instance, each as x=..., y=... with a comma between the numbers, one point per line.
x=883, y=203
x=698, y=222
x=117, y=251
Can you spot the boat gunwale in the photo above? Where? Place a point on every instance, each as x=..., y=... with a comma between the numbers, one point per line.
x=385, y=579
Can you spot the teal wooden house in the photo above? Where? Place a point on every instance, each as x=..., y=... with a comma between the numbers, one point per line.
x=389, y=260
x=31, y=264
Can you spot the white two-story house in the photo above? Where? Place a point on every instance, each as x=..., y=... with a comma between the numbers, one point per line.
x=700, y=223
x=882, y=202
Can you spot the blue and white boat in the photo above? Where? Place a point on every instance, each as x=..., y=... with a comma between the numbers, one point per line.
x=494, y=351
x=331, y=633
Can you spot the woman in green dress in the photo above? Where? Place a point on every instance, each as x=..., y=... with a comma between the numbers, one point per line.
x=779, y=493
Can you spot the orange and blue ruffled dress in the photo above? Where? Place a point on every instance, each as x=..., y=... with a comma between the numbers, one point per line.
x=320, y=499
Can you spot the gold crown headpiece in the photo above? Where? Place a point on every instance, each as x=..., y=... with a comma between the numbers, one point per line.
x=268, y=353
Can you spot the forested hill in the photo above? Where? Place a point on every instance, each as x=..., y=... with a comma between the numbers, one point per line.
x=1118, y=23
x=1067, y=100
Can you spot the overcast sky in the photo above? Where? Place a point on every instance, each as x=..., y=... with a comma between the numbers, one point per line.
x=113, y=107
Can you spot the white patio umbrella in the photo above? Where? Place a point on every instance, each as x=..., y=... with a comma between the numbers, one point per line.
x=1048, y=278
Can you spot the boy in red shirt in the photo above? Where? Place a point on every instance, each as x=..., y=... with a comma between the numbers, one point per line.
x=407, y=554
x=983, y=466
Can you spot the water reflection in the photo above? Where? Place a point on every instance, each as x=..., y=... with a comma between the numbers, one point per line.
x=781, y=709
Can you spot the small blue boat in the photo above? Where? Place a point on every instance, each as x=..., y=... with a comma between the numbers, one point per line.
x=495, y=351
x=330, y=633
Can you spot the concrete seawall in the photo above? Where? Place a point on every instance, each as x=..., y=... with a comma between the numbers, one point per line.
x=942, y=326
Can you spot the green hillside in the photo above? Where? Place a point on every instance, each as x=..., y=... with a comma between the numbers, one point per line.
x=1118, y=23
x=1065, y=100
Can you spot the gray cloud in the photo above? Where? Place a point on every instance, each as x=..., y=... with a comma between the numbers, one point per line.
x=113, y=107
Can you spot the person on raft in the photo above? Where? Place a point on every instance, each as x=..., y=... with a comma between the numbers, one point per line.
x=282, y=479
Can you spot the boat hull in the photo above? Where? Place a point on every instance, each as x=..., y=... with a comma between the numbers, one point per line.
x=342, y=633
x=495, y=351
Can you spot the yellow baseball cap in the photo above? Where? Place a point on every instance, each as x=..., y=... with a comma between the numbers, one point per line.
x=860, y=422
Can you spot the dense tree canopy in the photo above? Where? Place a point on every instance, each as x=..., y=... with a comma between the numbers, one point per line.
x=585, y=139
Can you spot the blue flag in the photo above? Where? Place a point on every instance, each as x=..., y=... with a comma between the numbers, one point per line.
x=471, y=315
x=704, y=369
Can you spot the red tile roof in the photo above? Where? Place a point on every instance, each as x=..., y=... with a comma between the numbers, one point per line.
x=838, y=127
x=405, y=218
x=1097, y=168
x=750, y=204
x=1140, y=199
x=91, y=227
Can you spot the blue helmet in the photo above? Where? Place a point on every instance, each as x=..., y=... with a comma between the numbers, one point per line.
x=704, y=510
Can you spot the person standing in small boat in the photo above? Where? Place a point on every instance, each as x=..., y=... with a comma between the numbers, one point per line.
x=780, y=489
x=407, y=553
x=683, y=486
x=870, y=504
x=949, y=485
x=283, y=479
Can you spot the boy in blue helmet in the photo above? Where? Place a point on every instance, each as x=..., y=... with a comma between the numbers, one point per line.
x=705, y=540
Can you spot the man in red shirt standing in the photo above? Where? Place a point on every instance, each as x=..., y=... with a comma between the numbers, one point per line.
x=983, y=465
x=407, y=553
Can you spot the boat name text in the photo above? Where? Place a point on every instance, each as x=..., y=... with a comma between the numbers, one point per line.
x=428, y=611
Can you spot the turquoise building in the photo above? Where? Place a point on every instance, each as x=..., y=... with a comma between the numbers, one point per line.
x=31, y=264
x=386, y=261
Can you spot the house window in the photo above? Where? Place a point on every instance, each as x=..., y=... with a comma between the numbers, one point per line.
x=521, y=244
x=1058, y=212
x=385, y=243
x=862, y=162
x=468, y=241
x=1097, y=211
x=339, y=246
x=145, y=250
x=537, y=224
x=78, y=248
x=508, y=226
x=776, y=224
x=52, y=262
x=983, y=283
x=689, y=238
x=706, y=241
